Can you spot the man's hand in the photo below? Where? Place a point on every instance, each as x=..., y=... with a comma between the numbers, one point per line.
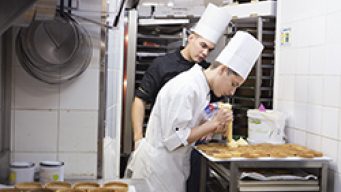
x=224, y=117
x=137, y=143
x=207, y=137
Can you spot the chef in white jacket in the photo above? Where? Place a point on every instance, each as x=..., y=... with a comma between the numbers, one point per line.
x=163, y=156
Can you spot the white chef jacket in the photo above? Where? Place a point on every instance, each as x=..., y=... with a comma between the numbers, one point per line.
x=177, y=110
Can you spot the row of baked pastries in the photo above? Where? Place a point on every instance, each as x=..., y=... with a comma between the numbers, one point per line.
x=220, y=151
x=64, y=186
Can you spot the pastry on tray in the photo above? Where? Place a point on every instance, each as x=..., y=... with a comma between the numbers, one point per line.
x=55, y=185
x=28, y=185
x=118, y=186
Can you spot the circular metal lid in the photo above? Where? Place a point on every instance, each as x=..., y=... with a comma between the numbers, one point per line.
x=52, y=163
x=23, y=164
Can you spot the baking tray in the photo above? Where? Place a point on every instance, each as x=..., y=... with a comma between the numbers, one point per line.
x=263, y=158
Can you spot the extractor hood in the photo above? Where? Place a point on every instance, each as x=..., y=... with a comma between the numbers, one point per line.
x=22, y=12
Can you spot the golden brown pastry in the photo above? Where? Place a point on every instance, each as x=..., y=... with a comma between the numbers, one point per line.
x=25, y=186
x=212, y=152
x=86, y=185
x=251, y=155
x=235, y=153
x=222, y=156
x=102, y=189
x=305, y=155
x=118, y=186
x=278, y=155
x=10, y=190
x=318, y=154
x=71, y=190
x=55, y=185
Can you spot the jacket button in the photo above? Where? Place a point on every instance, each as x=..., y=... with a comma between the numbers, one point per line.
x=176, y=129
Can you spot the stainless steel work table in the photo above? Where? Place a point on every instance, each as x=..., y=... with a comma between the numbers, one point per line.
x=234, y=164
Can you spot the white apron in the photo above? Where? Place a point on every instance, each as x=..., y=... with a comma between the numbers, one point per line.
x=158, y=158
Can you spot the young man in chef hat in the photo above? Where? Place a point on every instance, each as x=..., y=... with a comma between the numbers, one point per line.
x=201, y=42
x=163, y=155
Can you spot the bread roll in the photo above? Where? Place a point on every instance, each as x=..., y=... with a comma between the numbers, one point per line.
x=222, y=156
x=117, y=186
x=251, y=155
x=55, y=185
x=25, y=186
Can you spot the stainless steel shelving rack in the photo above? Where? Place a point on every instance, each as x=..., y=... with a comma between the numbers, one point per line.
x=258, y=88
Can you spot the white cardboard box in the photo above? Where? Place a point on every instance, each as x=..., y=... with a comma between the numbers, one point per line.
x=246, y=10
x=178, y=12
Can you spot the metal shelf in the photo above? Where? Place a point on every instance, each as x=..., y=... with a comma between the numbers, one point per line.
x=159, y=38
x=253, y=88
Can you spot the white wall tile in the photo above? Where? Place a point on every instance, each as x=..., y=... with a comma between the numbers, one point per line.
x=289, y=89
x=333, y=5
x=304, y=9
x=288, y=108
x=330, y=122
x=314, y=142
x=82, y=92
x=315, y=90
x=281, y=83
x=300, y=117
x=318, y=8
x=31, y=93
x=302, y=63
x=302, y=37
x=317, y=60
x=301, y=89
x=89, y=5
x=331, y=93
x=301, y=137
x=85, y=168
x=80, y=125
x=318, y=32
x=332, y=37
x=35, y=130
x=314, y=119
x=288, y=61
x=329, y=148
x=34, y=157
x=332, y=66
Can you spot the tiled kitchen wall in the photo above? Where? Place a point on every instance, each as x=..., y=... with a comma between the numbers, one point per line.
x=59, y=122
x=308, y=77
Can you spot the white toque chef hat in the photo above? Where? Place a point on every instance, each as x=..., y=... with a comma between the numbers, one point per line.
x=212, y=23
x=241, y=53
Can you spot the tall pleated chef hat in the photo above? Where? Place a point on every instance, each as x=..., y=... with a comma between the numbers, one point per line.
x=241, y=53
x=212, y=23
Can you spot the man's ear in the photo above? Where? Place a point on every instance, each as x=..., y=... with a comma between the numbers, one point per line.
x=191, y=37
x=222, y=69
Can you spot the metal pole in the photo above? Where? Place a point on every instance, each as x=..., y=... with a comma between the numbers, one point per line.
x=259, y=64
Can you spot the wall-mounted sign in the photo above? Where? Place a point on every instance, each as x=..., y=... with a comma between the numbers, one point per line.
x=285, y=37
